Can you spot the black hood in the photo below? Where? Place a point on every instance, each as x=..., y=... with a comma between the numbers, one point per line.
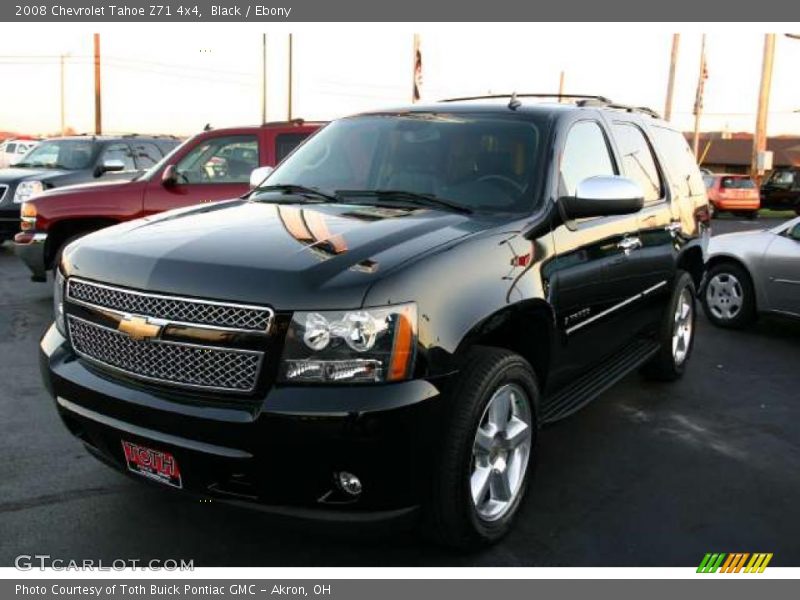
x=17, y=174
x=290, y=256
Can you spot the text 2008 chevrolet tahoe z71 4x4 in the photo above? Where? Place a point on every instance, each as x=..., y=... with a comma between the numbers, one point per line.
x=385, y=322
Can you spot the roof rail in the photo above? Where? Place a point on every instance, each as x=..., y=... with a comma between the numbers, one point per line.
x=515, y=95
x=608, y=104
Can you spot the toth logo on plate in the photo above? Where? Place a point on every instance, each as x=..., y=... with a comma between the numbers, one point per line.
x=153, y=464
x=139, y=328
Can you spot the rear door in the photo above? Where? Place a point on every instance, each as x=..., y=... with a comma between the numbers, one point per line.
x=214, y=168
x=650, y=266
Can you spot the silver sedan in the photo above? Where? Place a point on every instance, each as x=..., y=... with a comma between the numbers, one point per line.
x=753, y=272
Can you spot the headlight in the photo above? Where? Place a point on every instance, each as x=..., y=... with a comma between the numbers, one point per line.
x=368, y=345
x=27, y=190
x=58, y=302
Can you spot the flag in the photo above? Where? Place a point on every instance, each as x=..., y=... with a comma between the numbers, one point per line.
x=416, y=92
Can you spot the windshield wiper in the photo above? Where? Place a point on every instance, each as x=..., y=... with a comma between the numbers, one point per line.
x=403, y=195
x=301, y=190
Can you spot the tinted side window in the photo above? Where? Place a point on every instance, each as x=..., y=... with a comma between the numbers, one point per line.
x=11, y=148
x=119, y=152
x=286, y=142
x=638, y=162
x=585, y=155
x=228, y=159
x=146, y=154
x=680, y=164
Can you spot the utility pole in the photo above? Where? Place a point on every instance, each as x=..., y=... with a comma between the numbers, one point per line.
x=98, y=108
x=290, y=77
x=63, y=121
x=561, y=86
x=698, y=101
x=673, y=62
x=263, y=78
x=760, y=137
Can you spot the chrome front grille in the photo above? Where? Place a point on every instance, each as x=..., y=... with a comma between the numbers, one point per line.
x=185, y=311
x=191, y=343
x=189, y=365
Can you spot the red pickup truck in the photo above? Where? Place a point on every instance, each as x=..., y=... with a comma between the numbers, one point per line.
x=213, y=165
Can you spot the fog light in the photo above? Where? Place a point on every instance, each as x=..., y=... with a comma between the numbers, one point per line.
x=349, y=483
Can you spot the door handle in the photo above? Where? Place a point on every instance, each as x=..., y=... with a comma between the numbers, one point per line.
x=628, y=244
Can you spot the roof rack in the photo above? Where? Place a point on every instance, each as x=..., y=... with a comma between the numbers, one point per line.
x=583, y=100
x=515, y=95
x=609, y=104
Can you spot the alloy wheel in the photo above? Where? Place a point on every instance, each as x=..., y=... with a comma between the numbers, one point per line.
x=683, y=325
x=500, y=452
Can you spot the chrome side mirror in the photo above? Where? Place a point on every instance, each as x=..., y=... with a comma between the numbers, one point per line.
x=258, y=176
x=112, y=165
x=603, y=195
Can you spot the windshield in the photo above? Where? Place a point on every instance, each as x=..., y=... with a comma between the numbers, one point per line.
x=737, y=183
x=481, y=163
x=71, y=155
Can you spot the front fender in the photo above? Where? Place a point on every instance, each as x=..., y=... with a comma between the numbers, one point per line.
x=461, y=288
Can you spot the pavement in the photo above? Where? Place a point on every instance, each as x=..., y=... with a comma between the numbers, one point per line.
x=647, y=475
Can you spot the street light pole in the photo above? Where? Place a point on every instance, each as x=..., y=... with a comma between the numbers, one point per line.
x=760, y=137
x=698, y=101
x=673, y=62
x=263, y=78
x=63, y=121
x=290, y=77
x=98, y=105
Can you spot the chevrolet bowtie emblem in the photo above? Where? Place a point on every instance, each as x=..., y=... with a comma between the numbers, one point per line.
x=138, y=328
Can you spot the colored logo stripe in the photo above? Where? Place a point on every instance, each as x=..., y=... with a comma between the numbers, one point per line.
x=734, y=562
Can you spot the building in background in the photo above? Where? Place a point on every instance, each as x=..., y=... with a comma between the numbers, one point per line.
x=724, y=152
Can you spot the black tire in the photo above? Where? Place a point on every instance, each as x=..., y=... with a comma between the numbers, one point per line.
x=669, y=364
x=450, y=512
x=741, y=281
x=751, y=215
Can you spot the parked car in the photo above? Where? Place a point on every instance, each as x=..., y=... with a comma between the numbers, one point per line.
x=732, y=193
x=12, y=151
x=382, y=325
x=752, y=272
x=214, y=165
x=781, y=190
x=78, y=159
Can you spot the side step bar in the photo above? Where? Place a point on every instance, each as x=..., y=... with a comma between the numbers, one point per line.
x=594, y=382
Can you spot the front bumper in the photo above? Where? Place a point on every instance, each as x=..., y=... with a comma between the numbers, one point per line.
x=281, y=454
x=30, y=248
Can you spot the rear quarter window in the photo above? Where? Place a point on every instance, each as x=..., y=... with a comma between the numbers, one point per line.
x=679, y=161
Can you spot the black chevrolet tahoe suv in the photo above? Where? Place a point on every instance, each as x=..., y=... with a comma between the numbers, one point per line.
x=71, y=160
x=380, y=327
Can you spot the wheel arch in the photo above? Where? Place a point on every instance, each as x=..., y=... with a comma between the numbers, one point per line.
x=691, y=261
x=527, y=328
x=718, y=259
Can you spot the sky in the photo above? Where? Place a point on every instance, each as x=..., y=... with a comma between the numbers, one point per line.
x=173, y=79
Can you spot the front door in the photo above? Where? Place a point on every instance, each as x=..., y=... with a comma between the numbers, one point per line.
x=781, y=265
x=590, y=282
x=217, y=168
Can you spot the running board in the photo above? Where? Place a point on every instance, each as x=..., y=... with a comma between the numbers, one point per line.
x=594, y=382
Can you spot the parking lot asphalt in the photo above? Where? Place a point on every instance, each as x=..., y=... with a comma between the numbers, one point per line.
x=647, y=475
